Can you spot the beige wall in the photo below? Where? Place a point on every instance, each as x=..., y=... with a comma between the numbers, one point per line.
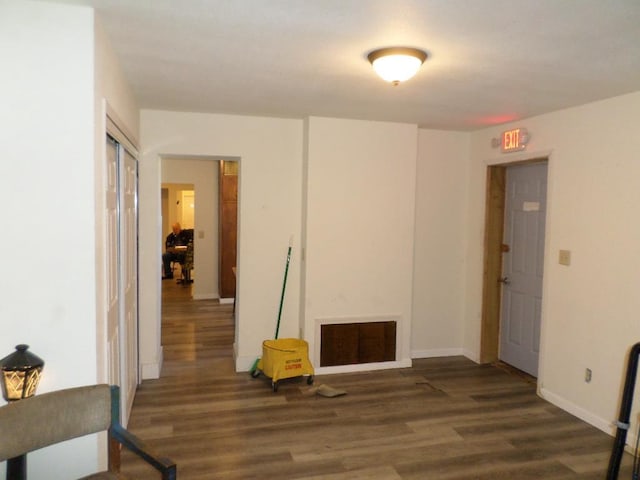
x=270, y=155
x=172, y=211
x=112, y=94
x=49, y=124
x=46, y=125
x=203, y=175
x=590, y=309
x=440, y=239
x=359, y=228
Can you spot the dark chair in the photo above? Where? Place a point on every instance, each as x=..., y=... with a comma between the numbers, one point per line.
x=55, y=417
x=186, y=265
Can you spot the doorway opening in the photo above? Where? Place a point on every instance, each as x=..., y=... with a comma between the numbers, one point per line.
x=211, y=185
x=178, y=209
x=513, y=259
x=178, y=205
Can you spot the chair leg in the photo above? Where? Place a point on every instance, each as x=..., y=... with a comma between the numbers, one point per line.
x=114, y=455
x=17, y=468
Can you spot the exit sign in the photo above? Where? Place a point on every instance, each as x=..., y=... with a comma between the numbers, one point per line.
x=514, y=140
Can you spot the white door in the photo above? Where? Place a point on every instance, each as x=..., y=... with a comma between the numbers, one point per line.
x=122, y=272
x=525, y=208
x=112, y=263
x=129, y=272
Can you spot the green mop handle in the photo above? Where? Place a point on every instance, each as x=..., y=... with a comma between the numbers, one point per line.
x=284, y=284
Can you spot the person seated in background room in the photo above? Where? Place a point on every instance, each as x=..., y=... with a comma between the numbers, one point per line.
x=175, y=246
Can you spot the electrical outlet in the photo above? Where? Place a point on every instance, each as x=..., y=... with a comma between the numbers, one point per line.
x=587, y=375
x=564, y=257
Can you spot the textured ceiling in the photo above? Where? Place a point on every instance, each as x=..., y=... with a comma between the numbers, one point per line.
x=490, y=61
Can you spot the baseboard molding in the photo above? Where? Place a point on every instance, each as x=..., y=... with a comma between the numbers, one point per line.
x=205, y=296
x=437, y=352
x=244, y=364
x=226, y=300
x=601, y=424
x=363, y=367
x=473, y=356
x=151, y=371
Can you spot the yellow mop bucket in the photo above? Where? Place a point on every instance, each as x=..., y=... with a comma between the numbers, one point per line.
x=285, y=358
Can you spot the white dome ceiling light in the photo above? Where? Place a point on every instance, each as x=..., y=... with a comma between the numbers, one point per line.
x=397, y=64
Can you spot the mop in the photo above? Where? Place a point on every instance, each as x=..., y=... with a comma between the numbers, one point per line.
x=254, y=368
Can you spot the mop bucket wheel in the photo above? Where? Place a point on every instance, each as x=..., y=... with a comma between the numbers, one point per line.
x=285, y=358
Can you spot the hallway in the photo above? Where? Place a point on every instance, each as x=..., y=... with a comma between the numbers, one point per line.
x=445, y=418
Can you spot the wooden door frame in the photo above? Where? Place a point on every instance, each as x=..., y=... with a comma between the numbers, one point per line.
x=492, y=266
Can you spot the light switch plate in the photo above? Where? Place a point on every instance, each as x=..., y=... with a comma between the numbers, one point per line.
x=564, y=257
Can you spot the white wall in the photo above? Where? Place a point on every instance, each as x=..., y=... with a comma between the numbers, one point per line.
x=47, y=136
x=270, y=153
x=359, y=225
x=590, y=309
x=439, y=260
x=112, y=92
x=203, y=175
x=113, y=87
x=174, y=210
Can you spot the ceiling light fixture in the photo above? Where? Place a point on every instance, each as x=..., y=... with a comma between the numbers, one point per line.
x=397, y=64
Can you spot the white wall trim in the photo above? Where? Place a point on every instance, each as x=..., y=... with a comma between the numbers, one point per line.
x=363, y=367
x=204, y=296
x=437, y=352
x=226, y=300
x=607, y=427
x=243, y=364
x=600, y=423
x=524, y=156
x=151, y=371
x=473, y=356
x=118, y=130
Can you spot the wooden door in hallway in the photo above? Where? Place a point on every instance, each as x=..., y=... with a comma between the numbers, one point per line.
x=228, y=226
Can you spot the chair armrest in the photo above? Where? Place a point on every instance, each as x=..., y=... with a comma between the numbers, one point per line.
x=137, y=446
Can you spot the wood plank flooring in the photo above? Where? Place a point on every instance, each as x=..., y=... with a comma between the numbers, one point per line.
x=444, y=418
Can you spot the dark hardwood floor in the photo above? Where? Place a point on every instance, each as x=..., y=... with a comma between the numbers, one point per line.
x=444, y=418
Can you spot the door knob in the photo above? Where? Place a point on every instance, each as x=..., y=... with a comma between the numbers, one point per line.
x=504, y=280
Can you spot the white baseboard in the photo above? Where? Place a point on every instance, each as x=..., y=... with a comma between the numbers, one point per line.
x=474, y=356
x=606, y=426
x=437, y=352
x=151, y=371
x=363, y=367
x=205, y=296
x=244, y=364
x=600, y=423
x=226, y=300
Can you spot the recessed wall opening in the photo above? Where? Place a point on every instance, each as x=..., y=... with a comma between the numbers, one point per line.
x=352, y=343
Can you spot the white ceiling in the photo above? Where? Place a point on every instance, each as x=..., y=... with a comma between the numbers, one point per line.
x=490, y=61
